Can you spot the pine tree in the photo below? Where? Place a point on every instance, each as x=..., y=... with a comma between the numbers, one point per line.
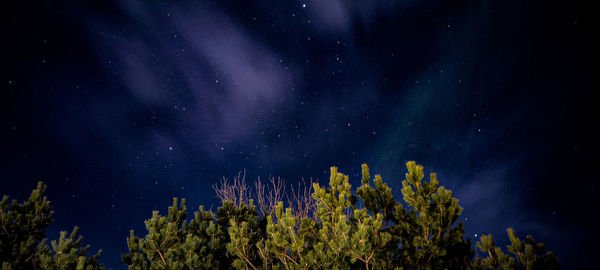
x=332, y=228
x=527, y=256
x=246, y=228
x=426, y=228
x=202, y=243
x=23, y=242
x=382, y=235
x=366, y=230
x=67, y=253
x=173, y=243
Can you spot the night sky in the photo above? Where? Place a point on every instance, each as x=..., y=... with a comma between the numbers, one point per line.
x=121, y=107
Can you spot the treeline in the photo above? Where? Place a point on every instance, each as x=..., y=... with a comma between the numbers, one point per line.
x=320, y=228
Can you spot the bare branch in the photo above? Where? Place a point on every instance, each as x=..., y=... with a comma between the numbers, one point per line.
x=260, y=197
x=301, y=201
x=275, y=192
x=237, y=191
x=268, y=194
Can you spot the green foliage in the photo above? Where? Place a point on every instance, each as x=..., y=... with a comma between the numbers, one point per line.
x=426, y=229
x=67, y=253
x=23, y=227
x=369, y=229
x=244, y=230
x=23, y=243
x=173, y=243
x=531, y=255
x=333, y=228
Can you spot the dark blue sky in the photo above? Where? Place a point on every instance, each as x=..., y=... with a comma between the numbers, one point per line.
x=120, y=107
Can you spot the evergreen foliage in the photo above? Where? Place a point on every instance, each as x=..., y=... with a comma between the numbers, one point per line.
x=173, y=243
x=322, y=228
x=365, y=230
x=530, y=255
x=23, y=242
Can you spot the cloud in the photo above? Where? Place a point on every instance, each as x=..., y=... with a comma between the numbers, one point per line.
x=195, y=58
x=248, y=76
x=331, y=15
x=341, y=16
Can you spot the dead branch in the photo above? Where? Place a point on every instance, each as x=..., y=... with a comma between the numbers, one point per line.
x=301, y=200
x=237, y=191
